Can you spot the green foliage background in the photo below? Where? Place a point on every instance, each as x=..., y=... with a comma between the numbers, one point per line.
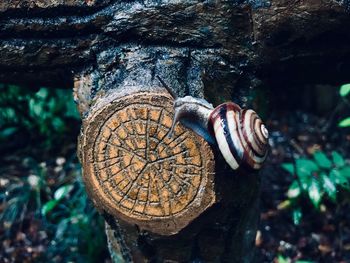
x=40, y=180
x=43, y=114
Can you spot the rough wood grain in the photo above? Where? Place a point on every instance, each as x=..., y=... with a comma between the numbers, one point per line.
x=224, y=231
x=59, y=37
x=213, y=49
x=134, y=171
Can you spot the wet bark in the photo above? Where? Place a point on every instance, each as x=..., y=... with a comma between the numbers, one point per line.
x=47, y=41
x=212, y=49
x=223, y=232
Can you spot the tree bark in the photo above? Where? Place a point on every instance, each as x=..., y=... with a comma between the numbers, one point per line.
x=220, y=229
x=46, y=42
x=212, y=49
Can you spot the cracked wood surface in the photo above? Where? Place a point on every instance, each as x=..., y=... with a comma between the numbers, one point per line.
x=135, y=171
x=217, y=216
x=212, y=49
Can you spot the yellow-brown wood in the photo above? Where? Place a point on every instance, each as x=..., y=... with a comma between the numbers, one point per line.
x=136, y=172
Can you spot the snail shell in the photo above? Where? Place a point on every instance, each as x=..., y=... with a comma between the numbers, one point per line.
x=240, y=134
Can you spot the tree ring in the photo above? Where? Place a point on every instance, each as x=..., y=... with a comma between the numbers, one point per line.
x=134, y=171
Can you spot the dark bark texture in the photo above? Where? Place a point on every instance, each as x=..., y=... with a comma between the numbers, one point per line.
x=211, y=49
x=48, y=41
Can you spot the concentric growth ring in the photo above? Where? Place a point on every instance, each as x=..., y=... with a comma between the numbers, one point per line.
x=133, y=170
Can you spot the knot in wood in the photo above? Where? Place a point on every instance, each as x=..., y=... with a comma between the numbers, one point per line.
x=136, y=172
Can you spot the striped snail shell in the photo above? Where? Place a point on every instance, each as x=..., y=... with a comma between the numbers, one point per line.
x=240, y=134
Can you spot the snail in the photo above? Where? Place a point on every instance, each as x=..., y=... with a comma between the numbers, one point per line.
x=240, y=135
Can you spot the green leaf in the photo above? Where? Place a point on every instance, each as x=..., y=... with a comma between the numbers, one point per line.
x=7, y=132
x=47, y=207
x=62, y=192
x=52, y=105
x=329, y=186
x=338, y=160
x=58, y=124
x=289, y=167
x=14, y=89
x=344, y=123
x=281, y=259
x=338, y=178
x=72, y=110
x=36, y=109
x=344, y=90
x=322, y=160
x=61, y=228
x=8, y=114
x=305, y=167
x=297, y=215
x=43, y=93
x=294, y=190
x=345, y=171
x=305, y=182
x=315, y=193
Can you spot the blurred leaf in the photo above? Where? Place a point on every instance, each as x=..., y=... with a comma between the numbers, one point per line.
x=72, y=110
x=62, y=192
x=289, y=167
x=58, y=124
x=8, y=115
x=47, y=207
x=315, y=193
x=329, y=187
x=42, y=114
x=344, y=123
x=36, y=108
x=43, y=93
x=338, y=178
x=344, y=90
x=7, y=132
x=52, y=105
x=15, y=204
x=338, y=160
x=294, y=190
x=284, y=204
x=345, y=171
x=305, y=167
x=13, y=89
x=297, y=215
x=72, y=229
x=322, y=160
x=305, y=182
x=61, y=228
x=281, y=259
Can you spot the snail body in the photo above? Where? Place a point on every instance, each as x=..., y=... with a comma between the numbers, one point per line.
x=239, y=133
x=194, y=114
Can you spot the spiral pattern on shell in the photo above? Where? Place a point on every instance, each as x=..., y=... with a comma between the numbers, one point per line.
x=240, y=134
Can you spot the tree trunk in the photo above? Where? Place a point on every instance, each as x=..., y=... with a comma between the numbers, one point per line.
x=112, y=52
x=213, y=218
